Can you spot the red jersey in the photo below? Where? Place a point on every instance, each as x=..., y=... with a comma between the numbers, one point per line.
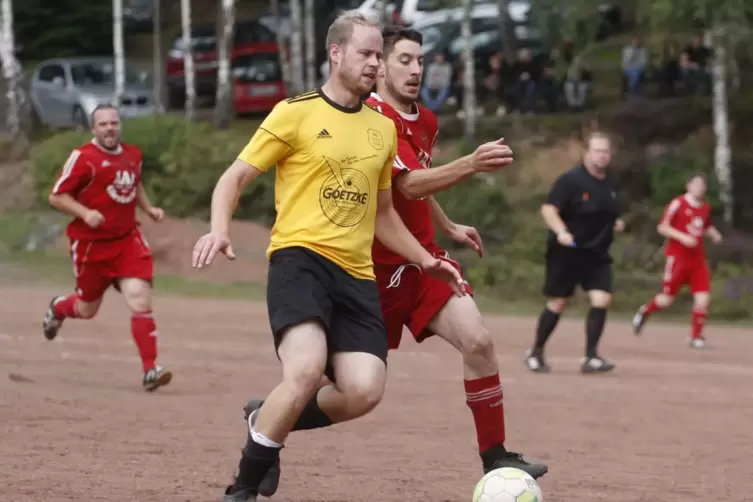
x=105, y=181
x=690, y=217
x=416, y=134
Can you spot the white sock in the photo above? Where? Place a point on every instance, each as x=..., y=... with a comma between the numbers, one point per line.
x=263, y=440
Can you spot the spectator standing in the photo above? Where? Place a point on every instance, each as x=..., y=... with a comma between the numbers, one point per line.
x=527, y=76
x=696, y=70
x=634, y=59
x=437, y=83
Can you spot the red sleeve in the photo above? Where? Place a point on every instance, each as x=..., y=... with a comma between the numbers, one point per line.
x=670, y=211
x=405, y=159
x=75, y=175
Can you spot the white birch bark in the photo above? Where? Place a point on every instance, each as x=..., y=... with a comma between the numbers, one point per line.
x=310, y=34
x=283, y=47
x=296, y=48
x=469, y=72
x=189, y=72
x=157, y=57
x=723, y=151
x=118, y=51
x=223, y=108
x=12, y=71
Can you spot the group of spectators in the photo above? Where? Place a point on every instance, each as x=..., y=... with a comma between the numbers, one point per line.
x=685, y=72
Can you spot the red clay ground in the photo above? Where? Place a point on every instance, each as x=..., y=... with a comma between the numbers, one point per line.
x=670, y=424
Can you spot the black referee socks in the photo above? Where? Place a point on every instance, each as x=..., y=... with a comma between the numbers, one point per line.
x=312, y=417
x=595, y=321
x=547, y=322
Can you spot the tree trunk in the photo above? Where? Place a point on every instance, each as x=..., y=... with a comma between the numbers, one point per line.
x=309, y=15
x=223, y=106
x=469, y=72
x=118, y=51
x=188, y=69
x=13, y=75
x=157, y=57
x=722, y=153
x=296, y=48
x=507, y=30
x=283, y=47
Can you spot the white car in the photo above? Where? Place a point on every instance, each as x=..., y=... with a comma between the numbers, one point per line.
x=408, y=11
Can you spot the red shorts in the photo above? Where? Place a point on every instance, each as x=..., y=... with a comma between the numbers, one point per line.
x=411, y=298
x=98, y=265
x=679, y=271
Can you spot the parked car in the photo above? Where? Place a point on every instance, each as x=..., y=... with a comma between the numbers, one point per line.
x=249, y=36
x=408, y=11
x=64, y=92
x=257, y=82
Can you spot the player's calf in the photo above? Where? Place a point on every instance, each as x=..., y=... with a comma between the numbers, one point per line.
x=659, y=302
x=701, y=303
x=66, y=307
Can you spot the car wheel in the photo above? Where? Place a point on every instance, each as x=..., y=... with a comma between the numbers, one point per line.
x=80, y=122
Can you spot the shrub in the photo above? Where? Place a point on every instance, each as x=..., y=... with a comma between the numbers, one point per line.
x=182, y=162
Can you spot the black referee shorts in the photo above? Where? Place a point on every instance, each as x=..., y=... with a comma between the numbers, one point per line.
x=568, y=268
x=304, y=286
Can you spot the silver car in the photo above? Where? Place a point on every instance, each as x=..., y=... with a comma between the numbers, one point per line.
x=64, y=92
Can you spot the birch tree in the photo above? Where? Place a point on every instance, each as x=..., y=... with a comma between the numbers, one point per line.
x=722, y=150
x=157, y=57
x=507, y=30
x=296, y=48
x=189, y=72
x=283, y=46
x=469, y=71
x=12, y=74
x=310, y=33
x=223, y=106
x=118, y=51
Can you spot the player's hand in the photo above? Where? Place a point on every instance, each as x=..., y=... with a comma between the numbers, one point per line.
x=689, y=241
x=565, y=239
x=466, y=235
x=157, y=214
x=208, y=246
x=716, y=238
x=444, y=271
x=491, y=156
x=619, y=226
x=93, y=218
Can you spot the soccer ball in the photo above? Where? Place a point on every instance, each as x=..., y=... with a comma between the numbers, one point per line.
x=507, y=485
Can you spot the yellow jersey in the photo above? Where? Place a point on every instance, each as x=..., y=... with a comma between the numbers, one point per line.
x=331, y=161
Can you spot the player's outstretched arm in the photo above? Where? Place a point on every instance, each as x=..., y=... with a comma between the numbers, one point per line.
x=714, y=234
x=391, y=231
x=418, y=183
x=142, y=200
x=551, y=215
x=459, y=233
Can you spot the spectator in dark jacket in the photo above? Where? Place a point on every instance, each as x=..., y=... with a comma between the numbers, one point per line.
x=527, y=75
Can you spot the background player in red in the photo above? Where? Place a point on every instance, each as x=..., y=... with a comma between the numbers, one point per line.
x=686, y=220
x=100, y=186
x=414, y=299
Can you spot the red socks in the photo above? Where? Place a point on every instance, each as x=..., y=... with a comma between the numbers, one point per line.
x=651, y=307
x=144, y=332
x=484, y=398
x=67, y=307
x=697, y=322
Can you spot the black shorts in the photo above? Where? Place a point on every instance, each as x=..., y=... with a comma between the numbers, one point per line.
x=303, y=286
x=568, y=268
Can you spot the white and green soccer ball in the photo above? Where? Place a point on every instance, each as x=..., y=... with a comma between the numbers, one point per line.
x=507, y=485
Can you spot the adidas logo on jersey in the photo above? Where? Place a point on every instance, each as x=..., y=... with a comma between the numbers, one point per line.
x=324, y=134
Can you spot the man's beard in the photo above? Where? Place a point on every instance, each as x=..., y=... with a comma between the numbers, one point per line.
x=400, y=97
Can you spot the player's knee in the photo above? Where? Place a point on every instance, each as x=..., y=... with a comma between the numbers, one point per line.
x=478, y=343
x=363, y=396
x=304, y=379
x=87, y=310
x=701, y=301
x=600, y=299
x=138, y=297
x=556, y=305
x=664, y=301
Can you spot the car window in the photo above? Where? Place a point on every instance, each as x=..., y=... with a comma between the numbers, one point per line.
x=477, y=40
x=99, y=73
x=250, y=68
x=49, y=72
x=252, y=33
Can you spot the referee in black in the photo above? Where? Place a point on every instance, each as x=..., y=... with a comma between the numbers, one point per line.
x=582, y=213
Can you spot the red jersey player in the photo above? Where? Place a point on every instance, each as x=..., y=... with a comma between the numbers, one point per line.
x=686, y=220
x=100, y=186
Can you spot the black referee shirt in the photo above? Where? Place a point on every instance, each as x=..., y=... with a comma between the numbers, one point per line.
x=589, y=208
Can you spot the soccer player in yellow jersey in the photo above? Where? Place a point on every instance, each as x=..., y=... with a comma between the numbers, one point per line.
x=334, y=158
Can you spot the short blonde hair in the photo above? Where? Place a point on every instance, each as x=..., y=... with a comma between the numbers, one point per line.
x=597, y=135
x=341, y=29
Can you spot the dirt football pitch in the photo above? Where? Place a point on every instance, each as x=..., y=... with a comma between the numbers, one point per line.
x=669, y=424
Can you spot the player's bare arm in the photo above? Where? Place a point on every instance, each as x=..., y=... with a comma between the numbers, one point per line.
x=619, y=225
x=224, y=202
x=418, y=184
x=142, y=200
x=551, y=216
x=459, y=233
x=665, y=229
x=65, y=203
x=392, y=232
x=714, y=234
